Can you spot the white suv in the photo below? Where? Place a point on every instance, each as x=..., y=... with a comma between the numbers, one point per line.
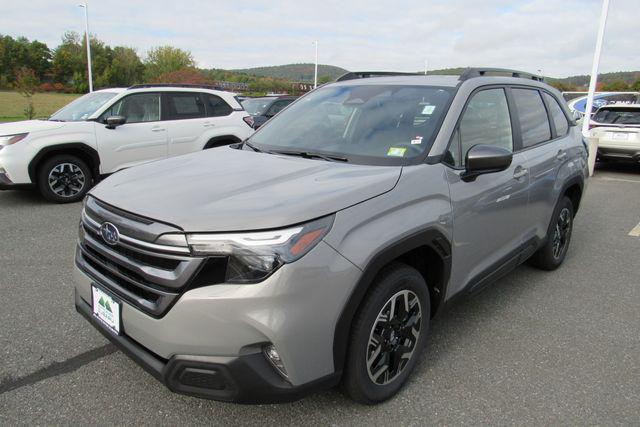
x=108, y=130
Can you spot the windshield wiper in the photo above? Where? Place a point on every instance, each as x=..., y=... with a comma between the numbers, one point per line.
x=253, y=147
x=312, y=155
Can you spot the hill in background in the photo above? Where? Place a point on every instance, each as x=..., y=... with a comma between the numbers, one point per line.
x=295, y=72
x=304, y=73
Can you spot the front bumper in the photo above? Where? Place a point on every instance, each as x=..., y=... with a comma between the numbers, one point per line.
x=225, y=326
x=247, y=378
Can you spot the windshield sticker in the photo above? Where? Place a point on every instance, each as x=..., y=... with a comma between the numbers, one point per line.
x=428, y=109
x=417, y=140
x=396, y=151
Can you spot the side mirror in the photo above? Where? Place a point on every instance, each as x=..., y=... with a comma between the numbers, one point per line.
x=114, y=121
x=482, y=159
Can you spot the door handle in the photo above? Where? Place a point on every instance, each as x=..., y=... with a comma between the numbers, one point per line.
x=157, y=129
x=520, y=172
x=209, y=125
x=561, y=155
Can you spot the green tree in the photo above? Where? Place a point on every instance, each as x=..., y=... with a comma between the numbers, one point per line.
x=165, y=59
x=26, y=83
x=615, y=86
x=20, y=52
x=68, y=58
x=324, y=79
x=636, y=85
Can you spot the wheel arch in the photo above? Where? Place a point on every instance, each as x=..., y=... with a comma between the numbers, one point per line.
x=78, y=149
x=222, y=140
x=428, y=251
x=573, y=189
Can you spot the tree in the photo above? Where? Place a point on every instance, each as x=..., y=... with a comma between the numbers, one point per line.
x=185, y=75
x=165, y=59
x=68, y=58
x=324, y=79
x=126, y=68
x=26, y=83
x=20, y=52
x=636, y=85
x=615, y=86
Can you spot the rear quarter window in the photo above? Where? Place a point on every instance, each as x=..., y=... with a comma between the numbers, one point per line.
x=559, y=119
x=532, y=114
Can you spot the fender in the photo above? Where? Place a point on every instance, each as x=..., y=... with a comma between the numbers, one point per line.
x=578, y=179
x=217, y=141
x=431, y=238
x=89, y=151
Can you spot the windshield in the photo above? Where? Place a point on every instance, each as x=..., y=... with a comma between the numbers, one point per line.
x=256, y=106
x=368, y=124
x=618, y=116
x=83, y=107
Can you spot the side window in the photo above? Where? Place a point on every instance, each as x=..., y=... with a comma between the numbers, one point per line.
x=216, y=106
x=277, y=107
x=184, y=105
x=137, y=108
x=534, y=123
x=486, y=121
x=559, y=119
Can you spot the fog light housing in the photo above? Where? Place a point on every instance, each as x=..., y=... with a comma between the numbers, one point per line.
x=272, y=356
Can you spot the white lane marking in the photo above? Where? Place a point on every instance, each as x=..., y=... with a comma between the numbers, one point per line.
x=635, y=232
x=606, y=178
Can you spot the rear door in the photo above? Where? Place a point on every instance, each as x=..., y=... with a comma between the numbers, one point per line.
x=488, y=212
x=186, y=120
x=544, y=132
x=141, y=139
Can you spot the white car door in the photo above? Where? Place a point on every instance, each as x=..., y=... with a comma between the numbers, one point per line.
x=187, y=122
x=142, y=138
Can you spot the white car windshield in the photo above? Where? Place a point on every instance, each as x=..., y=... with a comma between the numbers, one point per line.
x=83, y=107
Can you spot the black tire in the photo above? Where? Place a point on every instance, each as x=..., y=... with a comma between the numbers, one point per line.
x=550, y=256
x=358, y=382
x=76, y=175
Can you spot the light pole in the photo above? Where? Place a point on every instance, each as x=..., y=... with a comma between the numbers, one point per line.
x=593, y=142
x=315, y=74
x=425, y=67
x=86, y=27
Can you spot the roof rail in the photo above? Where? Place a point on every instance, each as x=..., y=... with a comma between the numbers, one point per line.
x=185, y=85
x=470, y=73
x=352, y=75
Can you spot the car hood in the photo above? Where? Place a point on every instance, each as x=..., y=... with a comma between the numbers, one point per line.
x=226, y=189
x=28, y=126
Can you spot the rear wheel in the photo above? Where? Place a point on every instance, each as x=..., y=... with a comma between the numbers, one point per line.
x=64, y=179
x=552, y=254
x=388, y=335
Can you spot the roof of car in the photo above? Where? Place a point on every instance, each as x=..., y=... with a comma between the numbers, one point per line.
x=428, y=80
x=616, y=106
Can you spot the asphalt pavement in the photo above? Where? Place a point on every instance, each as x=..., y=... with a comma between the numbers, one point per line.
x=536, y=348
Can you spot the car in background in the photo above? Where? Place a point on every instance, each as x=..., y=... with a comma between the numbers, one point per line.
x=112, y=129
x=617, y=128
x=265, y=107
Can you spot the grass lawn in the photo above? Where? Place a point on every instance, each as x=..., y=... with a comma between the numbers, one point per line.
x=12, y=104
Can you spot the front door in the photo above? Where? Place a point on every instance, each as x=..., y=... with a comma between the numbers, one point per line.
x=141, y=139
x=489, y=213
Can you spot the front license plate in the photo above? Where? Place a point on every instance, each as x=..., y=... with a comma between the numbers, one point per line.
x=620, y=136
x=106, y=309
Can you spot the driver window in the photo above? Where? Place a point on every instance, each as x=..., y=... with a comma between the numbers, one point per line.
x=138, y=108
x=485, y=121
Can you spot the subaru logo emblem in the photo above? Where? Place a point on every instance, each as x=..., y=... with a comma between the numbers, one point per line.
x=109, y=233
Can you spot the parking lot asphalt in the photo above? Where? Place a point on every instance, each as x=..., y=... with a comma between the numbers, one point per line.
x=535, y=348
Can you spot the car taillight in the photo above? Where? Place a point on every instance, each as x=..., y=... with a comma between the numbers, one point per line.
x=248, y=120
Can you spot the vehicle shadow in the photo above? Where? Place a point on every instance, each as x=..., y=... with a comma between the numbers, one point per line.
x=23, y=198
x=619, y=167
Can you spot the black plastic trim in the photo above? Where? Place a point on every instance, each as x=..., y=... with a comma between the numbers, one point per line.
x=429, y=237
x=6, y=184
x=62, y=149
x=215, y=141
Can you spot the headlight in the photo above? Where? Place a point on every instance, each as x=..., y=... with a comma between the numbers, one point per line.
x=12, y=139
x=254, y=256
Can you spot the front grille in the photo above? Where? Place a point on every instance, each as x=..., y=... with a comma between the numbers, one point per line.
x=149, y=276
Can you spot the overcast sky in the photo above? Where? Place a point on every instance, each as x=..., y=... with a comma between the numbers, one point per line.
x=557, y=36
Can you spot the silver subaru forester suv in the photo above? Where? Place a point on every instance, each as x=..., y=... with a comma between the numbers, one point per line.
x=317, y=251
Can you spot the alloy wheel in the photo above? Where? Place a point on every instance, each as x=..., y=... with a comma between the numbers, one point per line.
x=66, y=179
x=561, y=233
x=393, y=337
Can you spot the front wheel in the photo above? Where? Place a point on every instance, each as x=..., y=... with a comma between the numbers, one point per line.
x=64, y=179
x=388, y=335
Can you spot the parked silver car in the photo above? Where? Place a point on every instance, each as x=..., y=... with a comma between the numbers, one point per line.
x=319, y=250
